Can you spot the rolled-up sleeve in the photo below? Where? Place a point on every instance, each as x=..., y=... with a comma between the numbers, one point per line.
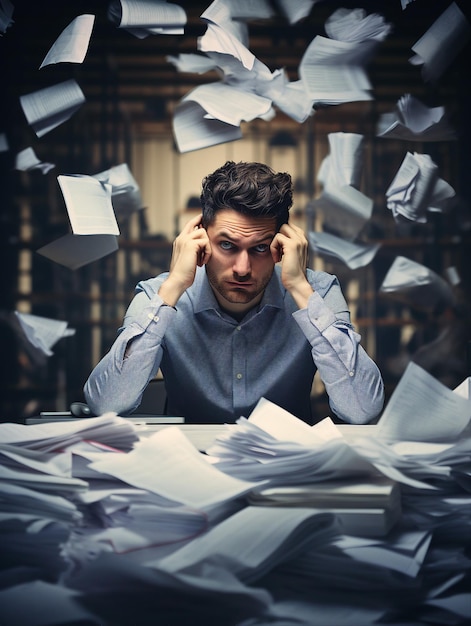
x=352, y=380
x=120, y=378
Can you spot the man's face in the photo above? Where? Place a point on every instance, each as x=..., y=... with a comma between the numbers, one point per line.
x=241, y=263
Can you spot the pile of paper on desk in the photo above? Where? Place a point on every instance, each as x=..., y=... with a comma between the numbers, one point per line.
x=97, y=523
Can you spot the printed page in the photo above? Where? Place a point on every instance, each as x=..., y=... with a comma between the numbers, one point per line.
x=421, y=408
x=72, y=45
x=89, y=206
x=253, y=540
x=47, y=108
x=163, y=462
x=217, y=39
x=193, y=131
x=228, y=104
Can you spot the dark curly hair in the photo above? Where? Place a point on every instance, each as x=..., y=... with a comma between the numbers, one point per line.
x=250, y=188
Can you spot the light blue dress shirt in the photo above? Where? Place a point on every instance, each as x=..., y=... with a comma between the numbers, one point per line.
x=216, y=369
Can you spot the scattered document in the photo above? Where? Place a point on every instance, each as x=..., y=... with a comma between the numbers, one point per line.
x=6, y=13
x=89, y=206
x=332, y=71
x=193, y=130
x=42, y=332
x=414, y=121
x=442, y=42
x=417, y=188
x=93, y=221
x=47, y=108
x=162, y=464
x=356, y=25
x=72, y=44
x=143, y=18
x=345, y=210
x=296, y=11
x=252, y=541
x=421, y=408
x=26, y=160
x=332, y=248
x=416, y=285
x=108, y=429
x=125, y=193
x=344, y=163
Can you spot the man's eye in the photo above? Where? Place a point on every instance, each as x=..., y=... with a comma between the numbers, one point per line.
x=262, y=247
x=226, y=245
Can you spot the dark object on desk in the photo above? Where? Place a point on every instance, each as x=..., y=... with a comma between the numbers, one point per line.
x=80, y=409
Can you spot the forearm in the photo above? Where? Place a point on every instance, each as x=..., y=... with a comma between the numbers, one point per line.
x=352, y=380
x=120, y=378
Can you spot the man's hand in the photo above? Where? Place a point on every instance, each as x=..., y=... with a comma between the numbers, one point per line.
x=190, y=249
x=290, y=246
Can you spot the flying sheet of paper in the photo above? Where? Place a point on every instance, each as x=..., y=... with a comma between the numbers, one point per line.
x=414, y=121
x=72, y=44
x=43, y=332
x=333, y=248
x=27, y=160
x=89, y=205
x=142, y=18
x=47, y=108
x=345, y=210
x=417, y=188
x=421, y=408
x=442, y=42
x=417, y=285
x=356, y=25
x=332, y=70
x=343, y=165
x=6, y=13
x=125, y=193
x=193, y=130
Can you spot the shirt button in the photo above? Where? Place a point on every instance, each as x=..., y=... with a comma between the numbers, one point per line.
x=154, y=318
x=239, y=376
x=237, y=327
x=352, y=373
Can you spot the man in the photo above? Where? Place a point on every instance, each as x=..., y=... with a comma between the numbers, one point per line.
x=239, y=317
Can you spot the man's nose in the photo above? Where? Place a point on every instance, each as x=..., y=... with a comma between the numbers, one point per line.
x=241, y=265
